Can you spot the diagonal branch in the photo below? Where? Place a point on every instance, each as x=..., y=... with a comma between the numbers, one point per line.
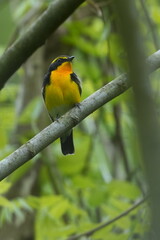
x=105, y=224
x=69, y=120
x=46, y=24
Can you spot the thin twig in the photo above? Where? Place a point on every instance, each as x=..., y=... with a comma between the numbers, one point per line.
x=105, y=224
x=119, y=140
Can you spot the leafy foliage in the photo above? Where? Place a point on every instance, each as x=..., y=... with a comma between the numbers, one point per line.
x=73, y=194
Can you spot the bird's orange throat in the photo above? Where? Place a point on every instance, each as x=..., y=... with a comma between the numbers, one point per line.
x=65, y=67
x=62, y=72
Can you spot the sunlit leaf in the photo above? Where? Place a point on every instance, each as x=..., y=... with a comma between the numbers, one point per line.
x=4, y=186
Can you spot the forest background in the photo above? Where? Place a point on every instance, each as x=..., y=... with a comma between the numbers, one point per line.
x=116, y=161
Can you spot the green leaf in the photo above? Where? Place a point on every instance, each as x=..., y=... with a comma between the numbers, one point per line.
x=4, y=187
x=117, y=53
x=155, y=14
x=59, y=209
x=123, y=189
x=73, y=164
x=4, y=202
x=30, y=111
x=82, y=182
x=98, y=196
x=6, y=17
x=111, y=236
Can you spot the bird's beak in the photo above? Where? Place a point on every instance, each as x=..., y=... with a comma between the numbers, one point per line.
x=71, y=58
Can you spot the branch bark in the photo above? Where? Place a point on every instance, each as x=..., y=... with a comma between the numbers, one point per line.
x=35, y=37
x=69, y=120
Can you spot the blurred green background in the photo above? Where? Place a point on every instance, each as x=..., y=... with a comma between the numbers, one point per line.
x=54, y=196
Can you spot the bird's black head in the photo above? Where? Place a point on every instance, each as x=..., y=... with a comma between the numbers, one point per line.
x=59, y=61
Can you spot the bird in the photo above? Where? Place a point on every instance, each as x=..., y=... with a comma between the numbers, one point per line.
x=62, y=91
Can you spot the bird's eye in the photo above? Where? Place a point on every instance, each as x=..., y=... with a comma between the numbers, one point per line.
x=59, y=60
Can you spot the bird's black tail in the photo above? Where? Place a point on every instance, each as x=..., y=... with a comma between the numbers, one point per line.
x=67, y=145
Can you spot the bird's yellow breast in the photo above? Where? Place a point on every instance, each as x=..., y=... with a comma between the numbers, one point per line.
x=61, y=91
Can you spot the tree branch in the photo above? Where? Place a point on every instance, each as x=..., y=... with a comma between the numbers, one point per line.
x=46, y=24
x=69, y=120
x=105, y=224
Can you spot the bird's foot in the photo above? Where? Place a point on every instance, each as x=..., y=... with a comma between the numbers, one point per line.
x=77, y=105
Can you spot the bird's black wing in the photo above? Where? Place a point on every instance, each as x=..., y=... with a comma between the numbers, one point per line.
x=75, y=78
x=46, y=81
